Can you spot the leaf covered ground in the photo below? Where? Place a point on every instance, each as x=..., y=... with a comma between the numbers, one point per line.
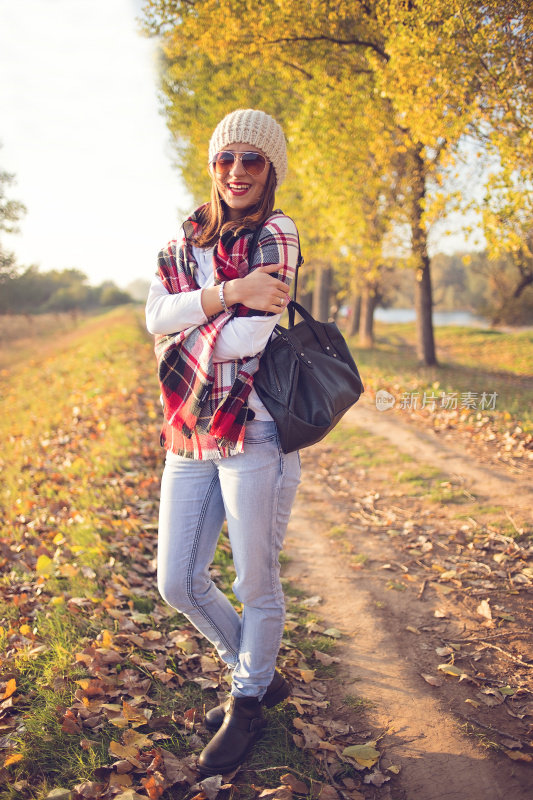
x=104, y=687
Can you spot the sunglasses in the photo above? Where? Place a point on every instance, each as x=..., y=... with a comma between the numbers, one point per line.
x=253, y=163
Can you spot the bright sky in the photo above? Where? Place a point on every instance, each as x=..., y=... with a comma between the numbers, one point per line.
x=81, y=130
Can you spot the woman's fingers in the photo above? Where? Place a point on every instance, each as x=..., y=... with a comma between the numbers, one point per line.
x=262, y=291
x=269, y=268
x=273, y=268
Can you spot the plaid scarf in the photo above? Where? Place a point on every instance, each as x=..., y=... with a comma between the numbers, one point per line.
x=205, y=410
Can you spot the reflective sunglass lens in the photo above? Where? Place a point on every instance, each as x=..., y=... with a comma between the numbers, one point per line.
x=224, y=161
x=253, y=163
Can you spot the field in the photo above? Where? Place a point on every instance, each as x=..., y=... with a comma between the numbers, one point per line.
x=104, y=686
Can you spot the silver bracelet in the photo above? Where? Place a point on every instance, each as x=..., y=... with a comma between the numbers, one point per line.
x=221, y=296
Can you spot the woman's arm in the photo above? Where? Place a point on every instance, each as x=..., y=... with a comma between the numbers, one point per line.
x=242, y=337
x=278, y=249
x=171, y=313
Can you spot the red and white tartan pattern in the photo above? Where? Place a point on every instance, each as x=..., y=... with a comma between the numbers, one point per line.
x=205, y=403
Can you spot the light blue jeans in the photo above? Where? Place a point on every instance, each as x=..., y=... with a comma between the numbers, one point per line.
x=254, y=491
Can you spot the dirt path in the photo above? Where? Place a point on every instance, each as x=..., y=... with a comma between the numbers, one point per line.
x=446, y=451
x=381, y=660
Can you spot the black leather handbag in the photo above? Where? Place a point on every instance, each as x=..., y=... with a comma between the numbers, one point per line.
x=307, y=378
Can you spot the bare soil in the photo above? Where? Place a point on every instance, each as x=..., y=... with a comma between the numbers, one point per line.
x=405, y=574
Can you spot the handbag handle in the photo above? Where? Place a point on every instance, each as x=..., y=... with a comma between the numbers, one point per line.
x=317, y=328
x=252, y=247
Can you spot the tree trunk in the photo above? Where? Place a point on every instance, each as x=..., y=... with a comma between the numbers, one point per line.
x=306, y=300
x=322, y=292
x=425, y=342
x=369, y=300
x=355, y=314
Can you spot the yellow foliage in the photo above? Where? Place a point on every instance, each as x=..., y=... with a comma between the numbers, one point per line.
x=44, y=565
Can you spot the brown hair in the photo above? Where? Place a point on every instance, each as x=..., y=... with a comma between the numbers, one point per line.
x=213, y=214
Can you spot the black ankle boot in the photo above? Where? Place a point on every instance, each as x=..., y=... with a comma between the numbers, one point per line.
x=277, y=691
x=243, y=724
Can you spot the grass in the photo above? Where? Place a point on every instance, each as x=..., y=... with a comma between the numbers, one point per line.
x=337, y=531
x=275, y=752
x=65, y=441
x=470, y=360
x=366, y=449
x=80, y=472
x=414, y=479
x=357, y=704
x=445, y=493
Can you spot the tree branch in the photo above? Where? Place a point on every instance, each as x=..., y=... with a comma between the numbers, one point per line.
x=334, y=40
x=297, y=68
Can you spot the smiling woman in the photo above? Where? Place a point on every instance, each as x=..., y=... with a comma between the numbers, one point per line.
x=213, y=310
x=240, y=176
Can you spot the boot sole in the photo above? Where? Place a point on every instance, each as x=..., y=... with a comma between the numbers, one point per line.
x=207, y=772
x=275, y=699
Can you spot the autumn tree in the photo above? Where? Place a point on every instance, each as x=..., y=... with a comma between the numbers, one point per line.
x=421, y=74
x=338, y=189
x=330, y=51
x=501, y=36
x=11, y=212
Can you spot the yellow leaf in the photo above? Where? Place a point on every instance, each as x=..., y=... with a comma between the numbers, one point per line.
x=57, y=601
x=120, y=779
x=123, y=751
x=107, y=638
x=364, y=754
x=137, y=739
x=119, y=722
x=327, y=746
x=13, y=759
x=59, y=538
x=186, y=645
x=112, y=707
x=135, y=714
x=44, y=565
x=25, y=630
x=153, y=636
x=450, y=669
x=68, y=570
x=307, y=675
x=10, y=689
x=207, y=664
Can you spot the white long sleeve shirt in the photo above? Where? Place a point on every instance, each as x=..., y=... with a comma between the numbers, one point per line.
x=240, y=337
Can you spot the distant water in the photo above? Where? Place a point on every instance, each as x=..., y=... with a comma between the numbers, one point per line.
x=439, y=317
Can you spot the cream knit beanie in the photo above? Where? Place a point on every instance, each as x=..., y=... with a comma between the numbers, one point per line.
x=249, y=126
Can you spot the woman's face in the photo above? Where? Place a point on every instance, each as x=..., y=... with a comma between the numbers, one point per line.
x=237, y=188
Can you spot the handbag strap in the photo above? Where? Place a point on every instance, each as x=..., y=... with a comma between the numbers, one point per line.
x=252, y=247
x=318, y=329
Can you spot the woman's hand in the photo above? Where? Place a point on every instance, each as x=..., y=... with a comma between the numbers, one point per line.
x=259, y=290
